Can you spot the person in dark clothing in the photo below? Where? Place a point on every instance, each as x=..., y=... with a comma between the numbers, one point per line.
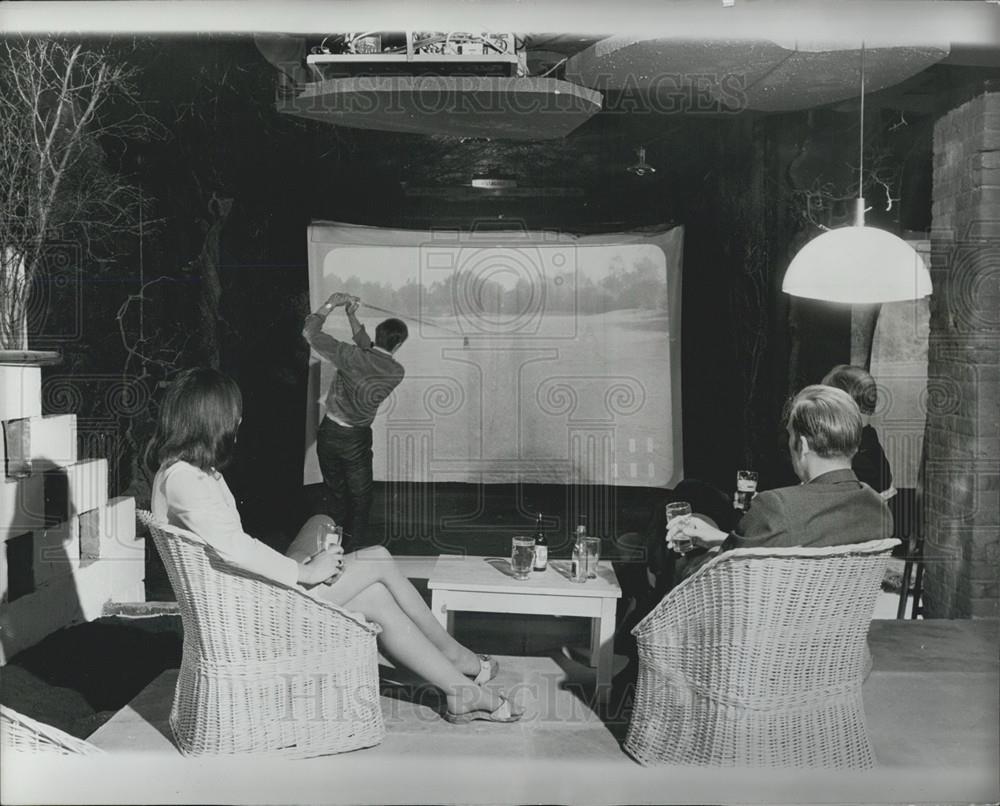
x=869, y=464
x=366, y=373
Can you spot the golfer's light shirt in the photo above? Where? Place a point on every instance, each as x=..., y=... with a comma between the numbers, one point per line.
x=365, y=376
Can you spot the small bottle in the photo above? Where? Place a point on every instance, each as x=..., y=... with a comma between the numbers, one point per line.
x=541, y=545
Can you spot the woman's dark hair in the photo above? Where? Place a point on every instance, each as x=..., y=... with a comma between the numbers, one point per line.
x=199, y=417
x=857, y=383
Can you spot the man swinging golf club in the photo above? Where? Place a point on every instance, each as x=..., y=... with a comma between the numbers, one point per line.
x=365, y=374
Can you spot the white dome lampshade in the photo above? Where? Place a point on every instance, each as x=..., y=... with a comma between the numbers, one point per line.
x=857, y=265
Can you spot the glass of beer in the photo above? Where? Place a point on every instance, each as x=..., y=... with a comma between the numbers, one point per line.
x=746, y=489
x=675, y=510
x=522, y=556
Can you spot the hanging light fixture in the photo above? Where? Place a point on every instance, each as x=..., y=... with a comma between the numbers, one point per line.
x=858, y=264
x=641, y=168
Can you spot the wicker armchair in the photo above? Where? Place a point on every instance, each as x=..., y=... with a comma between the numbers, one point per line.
x=265, y=669
x=23, y=734
x=758, y=660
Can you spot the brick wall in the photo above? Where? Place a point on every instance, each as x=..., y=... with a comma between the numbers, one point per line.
x=962, y=474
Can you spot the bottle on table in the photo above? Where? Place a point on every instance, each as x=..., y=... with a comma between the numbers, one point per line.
x=541, y=545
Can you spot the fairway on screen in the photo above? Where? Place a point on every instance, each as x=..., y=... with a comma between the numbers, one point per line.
x=531, y=357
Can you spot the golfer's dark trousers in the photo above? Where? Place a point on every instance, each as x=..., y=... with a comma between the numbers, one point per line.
x=345, y=458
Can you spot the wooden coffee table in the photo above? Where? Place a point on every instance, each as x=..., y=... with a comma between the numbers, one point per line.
x=486, y=585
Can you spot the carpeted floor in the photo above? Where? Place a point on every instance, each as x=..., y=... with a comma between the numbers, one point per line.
x=77, y=678
x=931, y=704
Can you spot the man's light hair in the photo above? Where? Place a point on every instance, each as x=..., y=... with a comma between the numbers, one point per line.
x=828, y=418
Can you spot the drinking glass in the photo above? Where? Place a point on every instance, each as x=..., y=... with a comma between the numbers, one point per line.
x=578, y=566
x=332, y=536
x=592, y=553
x=679, y=509
x=522, y=556
x=746, y=489
x=586, y=555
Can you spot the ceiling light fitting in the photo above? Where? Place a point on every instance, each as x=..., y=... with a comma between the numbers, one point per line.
x=641, y=168
x=858, y=264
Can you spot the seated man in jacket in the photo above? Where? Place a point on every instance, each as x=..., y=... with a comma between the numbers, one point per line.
x=829, y=508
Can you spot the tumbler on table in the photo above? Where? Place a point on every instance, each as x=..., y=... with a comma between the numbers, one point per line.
x=586, y=553
x=522, y=556
x=592, y=550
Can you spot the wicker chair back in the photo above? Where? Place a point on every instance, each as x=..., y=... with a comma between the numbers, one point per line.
x=758, y=660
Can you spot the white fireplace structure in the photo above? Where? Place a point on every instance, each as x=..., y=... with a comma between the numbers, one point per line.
x=68, y=550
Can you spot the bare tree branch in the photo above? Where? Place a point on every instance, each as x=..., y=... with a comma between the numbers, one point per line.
x=58, y=101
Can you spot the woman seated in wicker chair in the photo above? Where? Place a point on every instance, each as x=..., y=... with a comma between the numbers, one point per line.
x=194, y=441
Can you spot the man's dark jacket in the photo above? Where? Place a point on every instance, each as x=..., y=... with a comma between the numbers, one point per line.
x=830, y=510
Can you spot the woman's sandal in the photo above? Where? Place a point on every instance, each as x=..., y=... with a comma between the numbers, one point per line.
x=501, y=713
x=488, y=668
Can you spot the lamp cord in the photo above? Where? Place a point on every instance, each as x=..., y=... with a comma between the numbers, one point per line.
x=860, y=214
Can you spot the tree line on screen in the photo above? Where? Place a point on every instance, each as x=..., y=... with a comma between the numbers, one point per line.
x=641, y=286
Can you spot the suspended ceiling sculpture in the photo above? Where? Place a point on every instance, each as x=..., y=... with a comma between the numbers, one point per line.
x=742, y=74
x=459, y=106
x=667, y=76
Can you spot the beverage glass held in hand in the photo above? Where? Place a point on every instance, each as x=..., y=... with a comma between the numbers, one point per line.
x=332, y=536
x=675, y=510
x=746, y=489
x=522, y=556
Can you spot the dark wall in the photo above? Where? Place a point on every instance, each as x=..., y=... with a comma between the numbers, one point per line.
x=734, y=182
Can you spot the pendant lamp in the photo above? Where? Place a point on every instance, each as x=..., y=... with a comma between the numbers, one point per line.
x=858, y=264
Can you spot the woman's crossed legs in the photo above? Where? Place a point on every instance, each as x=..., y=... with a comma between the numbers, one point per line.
x=373, y=584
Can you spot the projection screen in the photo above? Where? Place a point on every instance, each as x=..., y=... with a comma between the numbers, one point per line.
x=532, y=357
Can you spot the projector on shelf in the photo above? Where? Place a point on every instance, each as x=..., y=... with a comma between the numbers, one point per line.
x=444, y=53
x=452, y=84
